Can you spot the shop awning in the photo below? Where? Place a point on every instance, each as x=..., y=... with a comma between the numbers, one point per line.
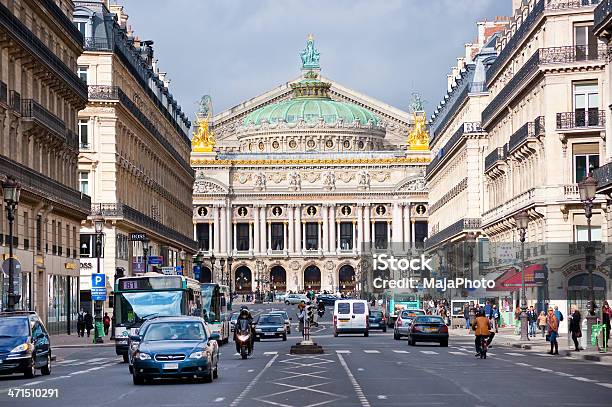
x=535, y=276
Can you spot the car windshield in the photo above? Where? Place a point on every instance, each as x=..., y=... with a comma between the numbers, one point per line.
x=376, y=314
x=281, y=314
x=14, y=327
x=271, y=320
x=175, y=331
x=234, y=316
x=428, y=320
x=139, y=305
x=411, y=313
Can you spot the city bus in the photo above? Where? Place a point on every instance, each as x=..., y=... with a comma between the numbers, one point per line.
x=151, y=295
x=215, y=301
x=394, y=301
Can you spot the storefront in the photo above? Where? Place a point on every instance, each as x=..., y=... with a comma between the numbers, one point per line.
x=63, y=303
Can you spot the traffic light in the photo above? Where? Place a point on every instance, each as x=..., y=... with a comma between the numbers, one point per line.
x=310, y=312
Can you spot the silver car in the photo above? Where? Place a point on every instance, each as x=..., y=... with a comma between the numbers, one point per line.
x=292, y=299
x=403, y=322
x=285, y=317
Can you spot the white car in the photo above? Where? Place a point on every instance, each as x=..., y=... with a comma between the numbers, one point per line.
x=296, y=299
x=351, y=316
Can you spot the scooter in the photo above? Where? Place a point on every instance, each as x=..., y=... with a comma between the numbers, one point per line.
x=321, y=312
x=243, y=338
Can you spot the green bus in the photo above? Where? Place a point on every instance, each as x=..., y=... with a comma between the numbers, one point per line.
x=394, y=301
x=215, y=301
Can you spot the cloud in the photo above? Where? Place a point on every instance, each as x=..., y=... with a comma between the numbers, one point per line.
x=235, y=50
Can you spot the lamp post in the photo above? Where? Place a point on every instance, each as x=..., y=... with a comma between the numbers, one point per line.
x=99, y=228
x=11, y=190
x=145, y=252
x=213, y=259
x=182, y=256
x=587, y=189
x=222, y=264
x=522, y=221
x=229, y=274
x=198, y=260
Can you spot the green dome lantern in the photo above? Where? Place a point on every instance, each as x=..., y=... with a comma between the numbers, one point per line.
x=310, y=101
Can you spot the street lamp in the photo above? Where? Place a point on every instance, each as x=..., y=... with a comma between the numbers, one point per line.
x=222, y=264
x=522, y=221
x=229, y=272
x=11, y=191
x=587, y=189
x=145, y=252
x=182, y=256
x=99, y=229
x=212, y=266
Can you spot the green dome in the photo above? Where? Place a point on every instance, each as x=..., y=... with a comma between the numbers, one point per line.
x=311, y=110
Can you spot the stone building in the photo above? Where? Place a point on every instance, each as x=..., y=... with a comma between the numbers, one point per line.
x=293, y=184
x=134, y=151
x=40, y=96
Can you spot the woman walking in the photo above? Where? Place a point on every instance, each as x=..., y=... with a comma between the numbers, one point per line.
x=606, y=313
x=553, y=331
x=542, y=323
x=574, y=326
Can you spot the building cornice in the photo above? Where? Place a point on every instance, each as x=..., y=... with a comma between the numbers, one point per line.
x=275, y=163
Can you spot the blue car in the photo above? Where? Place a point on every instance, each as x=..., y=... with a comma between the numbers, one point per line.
x=175, y=347
x=24, y=344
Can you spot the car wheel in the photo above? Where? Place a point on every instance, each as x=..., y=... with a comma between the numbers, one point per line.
x=366, y=334
x=216, y=371
x=137, y=380
x=396, y=336
x=444, y=344
x=126, y=358
x=210, y=376
x=30, y=372
x=286, y=302
x=46, y=369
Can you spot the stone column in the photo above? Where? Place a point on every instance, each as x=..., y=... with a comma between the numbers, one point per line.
x=251, y=238
x=269, y=236
x=367, y=233
x=303, y=236
x=354, y=223
x=217, y=228
x=298, y=228
x=235, y=239
x=210, y=236
x=285, y=242
x=256, y=233
x=223, y=230
x=406, y=234
x=325, y=232
x=397, y=225
x=229, y=221
x=412, y=242
x=320, y=240
x=291, y=244
x=338, y=248
x=333, y=245
x=262, y=229
x=360, y=227
x=388, y=233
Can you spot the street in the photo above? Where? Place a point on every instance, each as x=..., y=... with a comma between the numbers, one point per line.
x=354, y=371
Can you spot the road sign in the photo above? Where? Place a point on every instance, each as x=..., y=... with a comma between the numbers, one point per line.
x=98, y=287
x=169, y=271
x=16, y=275
x=138, y=237
x=155, y=260
x=196, y=271
x=138, y=267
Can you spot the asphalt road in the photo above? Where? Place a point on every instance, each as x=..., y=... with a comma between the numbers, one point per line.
x=354, y=371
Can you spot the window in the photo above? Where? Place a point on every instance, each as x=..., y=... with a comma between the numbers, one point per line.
x=81, y=26
x=420, y=233
x=88, y=246
x=312, y=235
x=586, y=104
x=242, y=237
x=277, y=232
x=380, y=235
x=586, y=159
x=346, y=236
x=582, y=234
x=53, y=237
x=82, y=73
x=203, y=236
x=84, y=182
x=585, y=42
x=26, y=231
x=84, y=133
x=122, y=247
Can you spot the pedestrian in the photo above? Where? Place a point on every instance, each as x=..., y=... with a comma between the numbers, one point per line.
x=88, y=323
x=81, y=323
x=553, y=331
x=606, y=314
x=495, y=315
x=558, y=314
x=488, y=309
x=107, y=322
x=574, y=326
x=517, y=320
x=301, y=315
x=542, y=323
x=532, y=318
x=466, y=315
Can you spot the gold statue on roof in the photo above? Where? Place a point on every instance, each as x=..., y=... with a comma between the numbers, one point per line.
x=203, y=140
x=418, y=138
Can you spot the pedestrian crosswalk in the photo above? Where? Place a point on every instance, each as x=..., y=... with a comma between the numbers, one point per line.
x=92, y=361
x=414, y=350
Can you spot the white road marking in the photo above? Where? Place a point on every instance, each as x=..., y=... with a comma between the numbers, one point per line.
x=582, y=379
x=65, y=362
x=381, y=397
x=250, y=370
x=33, y=383
x=360, y=395
x=562, y=374
x=456, y=353
x=343, y=351
x=400, y=351
x=252, y=383
x=541, y=369
x=360, y=369
x=371, y=351
x=522, y=364
x=78, y=372
x=270, y=353
x=219, y=399
x=95, y=360
x=514, y=354
x=429, y=352
x=608, y=385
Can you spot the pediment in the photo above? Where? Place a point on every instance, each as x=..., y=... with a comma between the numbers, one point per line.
x=413, y=184
x=206, y=185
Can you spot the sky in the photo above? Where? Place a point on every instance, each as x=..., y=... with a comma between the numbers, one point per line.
x=234, y=50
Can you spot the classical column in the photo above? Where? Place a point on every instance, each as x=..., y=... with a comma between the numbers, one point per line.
x=269, y=236
x=210, y=236
x=298, y=228
x=333, y=245
x=303, y=236
x=354, y=235
x=223, y=227
x=412, y=233
x=235, y=239
x=360, y=226
x=388, y=233
x=320, y=229
x=406, y=219
x=397, y=225
x=291, y=225
x=217, y=228
x=256, y=233
x=338, y=247
x=262, y=229
x=251, y=237
x=285, y=242
x=325, y=232
x=367, y=233
x=228, y=225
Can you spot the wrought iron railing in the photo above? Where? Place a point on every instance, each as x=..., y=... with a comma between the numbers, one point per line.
x=568, y=4
x=452, y=230
x=44, y=186
x=493, y=157
x=62, y=18
x=33, y=110
x=603, y=175
x=3, y=93
x=72, y=139
x=139, y=218
x=103, y=92
x=502, y=97
x=15, y=101
x=602, y=14
x=573, y=53
x=539, y=125
x=19, y=32
x=97, y=44
x=581, y=119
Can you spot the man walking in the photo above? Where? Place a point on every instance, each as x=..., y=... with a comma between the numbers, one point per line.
x=81, y=323
x=88, y=323
x=495, y=317
x=106, y=320
x=532, y=317
x=466, y=315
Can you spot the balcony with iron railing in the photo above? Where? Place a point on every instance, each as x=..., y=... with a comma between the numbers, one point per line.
x=581, y=120
x=603, y=175
x=462, y=225
x=602, y=18
x=33, y=111
x=60, y=17
x=15, y=101
x=467, y=127
x=119, y=210
x=3, y=93
x=493, y=157
x=98, y=44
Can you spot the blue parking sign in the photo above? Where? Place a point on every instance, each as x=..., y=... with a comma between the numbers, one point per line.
x=98, y=287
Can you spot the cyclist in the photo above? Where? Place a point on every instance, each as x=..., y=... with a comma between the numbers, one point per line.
x=481, y=330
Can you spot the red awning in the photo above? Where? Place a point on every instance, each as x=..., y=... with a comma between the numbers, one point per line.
x=511, y=280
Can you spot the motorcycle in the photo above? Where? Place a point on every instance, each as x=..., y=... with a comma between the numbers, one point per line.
x=244, y=342
x=321, y=313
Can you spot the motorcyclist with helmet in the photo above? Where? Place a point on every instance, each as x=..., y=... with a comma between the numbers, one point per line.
x=244, y=322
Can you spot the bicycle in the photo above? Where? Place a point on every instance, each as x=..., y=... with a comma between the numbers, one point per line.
x=483, y=347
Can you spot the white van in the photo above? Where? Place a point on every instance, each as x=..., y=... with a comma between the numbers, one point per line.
x=351, y=316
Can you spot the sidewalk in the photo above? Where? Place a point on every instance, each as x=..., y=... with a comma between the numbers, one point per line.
x=73, y=341
x=507, y=337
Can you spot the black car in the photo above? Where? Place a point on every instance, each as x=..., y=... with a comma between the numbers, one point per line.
x=24, y=344
x=428, y=328
x=270, y=326
x=327, y=299
x=377, y=320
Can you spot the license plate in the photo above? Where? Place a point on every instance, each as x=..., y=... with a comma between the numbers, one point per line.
x=431, y=329
x=344, y=320
x=170, y=366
